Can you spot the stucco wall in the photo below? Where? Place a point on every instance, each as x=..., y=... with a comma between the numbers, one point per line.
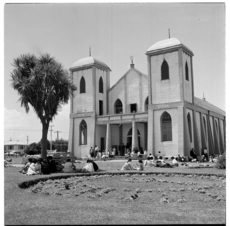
x=133, y=87
x=101, y=96
x=83, y=102
x=167, y=148
x=83, y=150
x=198, y=126
x=100, y=132
x=117, y=92
x=187, y=84
x=133, y=90
x=164, y=91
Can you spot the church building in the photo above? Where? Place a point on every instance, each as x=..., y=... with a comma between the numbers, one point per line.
x=157, y=112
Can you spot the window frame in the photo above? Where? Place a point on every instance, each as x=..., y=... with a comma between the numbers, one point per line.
x=164, y=70
x=117, y=108
x=101, y=85
x=83, y=130
x=166, y=127
x=82, y=85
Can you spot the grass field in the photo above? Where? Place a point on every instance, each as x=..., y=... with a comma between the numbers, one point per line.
x=106, y=199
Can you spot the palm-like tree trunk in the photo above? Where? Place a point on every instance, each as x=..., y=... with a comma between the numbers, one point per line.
x=45, y=128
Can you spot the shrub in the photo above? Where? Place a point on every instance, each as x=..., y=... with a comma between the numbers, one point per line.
x=221, y=161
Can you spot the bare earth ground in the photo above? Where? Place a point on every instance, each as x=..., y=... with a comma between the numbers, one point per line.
x=118, y=199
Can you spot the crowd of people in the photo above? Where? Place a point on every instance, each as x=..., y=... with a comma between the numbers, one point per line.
x=47, y=166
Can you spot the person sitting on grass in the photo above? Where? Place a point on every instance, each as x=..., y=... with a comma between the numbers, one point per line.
x=32, y=170
x=149, y=162
x=88, y=167
x=26, y=166
x=45, y=167
x=150, y=156
x=128, y=166
x=95, y=166
x=104, y=156
x=161, y=163
x=140, y=165
x=69, y=167
x=52, y=164
x=38, y=166
x=174, y=162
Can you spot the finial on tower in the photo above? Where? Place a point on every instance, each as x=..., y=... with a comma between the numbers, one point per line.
x=89, y=50
x=169, y=32
x=132, y=64
x=203, y=97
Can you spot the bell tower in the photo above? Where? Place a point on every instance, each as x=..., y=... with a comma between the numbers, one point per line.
x=92, y=78
x=170, y=91
x=170, y=71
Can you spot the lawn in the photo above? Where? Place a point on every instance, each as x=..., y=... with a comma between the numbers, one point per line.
x=106, y=199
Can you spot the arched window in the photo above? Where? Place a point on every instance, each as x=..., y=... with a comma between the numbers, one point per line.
x=164, y=70
x=186, y=72
x=146, y=103
x=82, y=85
x=118, y=107
x=166, y=127
x=83, y=132
x=189, y=127
x=131, y=132
x=204, y=125
x=100, y=85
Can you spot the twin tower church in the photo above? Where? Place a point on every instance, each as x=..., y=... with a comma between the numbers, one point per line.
x=156, y=112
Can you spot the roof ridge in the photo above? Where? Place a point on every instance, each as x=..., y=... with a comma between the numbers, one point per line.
x=210, y=104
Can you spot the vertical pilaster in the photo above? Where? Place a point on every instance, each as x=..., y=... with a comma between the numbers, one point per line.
x=151, y=148
x=181, y=130
x=140, y=107
x=107, y=91
x=195, y=134
x=94, y=103
x=145, y=135
x=134, y=134
x=108, y=138
x=149, y=79
x=125, y=108
x=192, y=80
x=181, y=74
x=221, y=138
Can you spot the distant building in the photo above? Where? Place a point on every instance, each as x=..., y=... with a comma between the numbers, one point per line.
x=156, y=112
x=14, y=146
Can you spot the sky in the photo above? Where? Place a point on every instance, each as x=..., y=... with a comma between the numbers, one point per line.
x=115, y=32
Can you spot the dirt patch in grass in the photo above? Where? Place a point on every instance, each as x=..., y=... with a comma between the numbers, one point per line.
x=163, y=197
x=173, y=194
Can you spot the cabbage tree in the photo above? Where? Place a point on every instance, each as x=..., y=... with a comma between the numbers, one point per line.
x=44, y=85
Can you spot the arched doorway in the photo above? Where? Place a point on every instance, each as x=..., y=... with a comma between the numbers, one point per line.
x=129, y=138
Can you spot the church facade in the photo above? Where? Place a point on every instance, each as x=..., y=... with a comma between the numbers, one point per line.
x=157, y=112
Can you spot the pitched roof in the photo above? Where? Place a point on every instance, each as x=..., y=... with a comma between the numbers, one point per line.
x=15, y=142
x=206, y=105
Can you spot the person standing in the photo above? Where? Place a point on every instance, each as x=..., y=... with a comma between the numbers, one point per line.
x=96, y=149
x=206, y=154
x=91, y=152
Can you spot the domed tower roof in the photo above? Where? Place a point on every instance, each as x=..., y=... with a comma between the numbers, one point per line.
x=88, y=62
x=166, y=44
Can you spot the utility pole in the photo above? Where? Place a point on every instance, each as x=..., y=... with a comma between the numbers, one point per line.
x=57, y=134
x=27, y=139
x=51, y=137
